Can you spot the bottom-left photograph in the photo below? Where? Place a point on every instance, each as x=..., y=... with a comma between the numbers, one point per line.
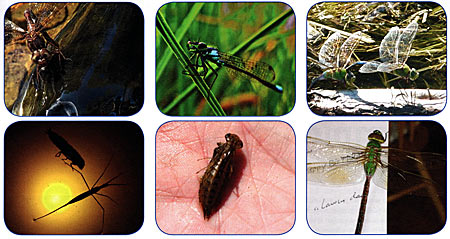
x=73, y=177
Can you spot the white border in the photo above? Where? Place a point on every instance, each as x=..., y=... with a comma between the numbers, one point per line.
x=150, y=118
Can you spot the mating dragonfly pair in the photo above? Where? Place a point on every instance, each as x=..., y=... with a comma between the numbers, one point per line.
x=203, y=54
x=335, y=56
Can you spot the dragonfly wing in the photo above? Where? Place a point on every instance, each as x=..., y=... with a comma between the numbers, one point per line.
x=12, y=31
x=47, y=13
x=370, y=67
x=347, y=174
x=258, y=69
x=11, y=26
x=410, y=169
x=388, y=46
x=405, y=41
x=328, y=54
x=334, y=163
x=381, y=173
x=347, y=48
x=388, y=67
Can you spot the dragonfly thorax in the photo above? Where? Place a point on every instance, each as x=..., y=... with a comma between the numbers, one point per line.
x=213, y=55
x=373, y=152
x=340, y=74
x=335, y=74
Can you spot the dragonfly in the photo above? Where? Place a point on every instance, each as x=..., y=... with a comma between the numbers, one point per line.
x=344, y=163
x=258, y=70
x=394, y=52
x=335, y=58
x=42, y=47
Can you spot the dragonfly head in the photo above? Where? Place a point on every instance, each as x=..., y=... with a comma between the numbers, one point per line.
x=234, y=140
x=413, y=74
x=196, y=45
x=377, y=136
x=31, y=19
x=350, y=79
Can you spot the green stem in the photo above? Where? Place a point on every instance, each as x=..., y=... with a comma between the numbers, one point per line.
x=179, y=34
x=170, y=39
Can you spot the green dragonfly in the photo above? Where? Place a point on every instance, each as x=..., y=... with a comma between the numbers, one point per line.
x=394, y=52
x=203, y=54
x=343, y=163
x=335, y=58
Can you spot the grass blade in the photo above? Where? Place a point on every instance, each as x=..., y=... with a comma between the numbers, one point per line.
x=180, y=54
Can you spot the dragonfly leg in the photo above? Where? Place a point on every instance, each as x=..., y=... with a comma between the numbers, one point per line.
x=185, y=72
x=103, y=213
x=215, y=73
x=36, y=79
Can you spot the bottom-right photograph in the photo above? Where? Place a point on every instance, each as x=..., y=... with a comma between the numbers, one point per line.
x=376, y=177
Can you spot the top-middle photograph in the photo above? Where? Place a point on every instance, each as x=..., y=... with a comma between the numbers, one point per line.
x=218, y=59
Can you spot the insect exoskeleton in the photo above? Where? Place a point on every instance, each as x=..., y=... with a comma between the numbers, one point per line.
x=217, y=174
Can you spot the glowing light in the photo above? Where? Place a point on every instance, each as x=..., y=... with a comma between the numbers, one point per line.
x=56, y=195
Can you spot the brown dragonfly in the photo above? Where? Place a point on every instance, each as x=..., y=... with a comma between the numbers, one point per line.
x=39, y=18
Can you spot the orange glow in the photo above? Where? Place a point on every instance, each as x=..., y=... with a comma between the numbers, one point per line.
x=56, y=195
x=31, y=169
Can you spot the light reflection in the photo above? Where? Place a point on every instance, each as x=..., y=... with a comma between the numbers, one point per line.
x=55, y=195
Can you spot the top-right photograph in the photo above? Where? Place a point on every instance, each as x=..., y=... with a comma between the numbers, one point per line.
x=376, y=58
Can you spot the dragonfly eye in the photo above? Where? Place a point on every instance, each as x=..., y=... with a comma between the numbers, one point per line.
x=413, y=74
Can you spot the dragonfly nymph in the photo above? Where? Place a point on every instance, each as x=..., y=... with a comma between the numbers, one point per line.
x=394, y=51
x=218, y=174
x=335, y=58
x=260, y=71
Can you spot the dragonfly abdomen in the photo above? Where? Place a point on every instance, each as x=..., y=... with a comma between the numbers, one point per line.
x=362, y=207
x=212, y=185
x=217, y=175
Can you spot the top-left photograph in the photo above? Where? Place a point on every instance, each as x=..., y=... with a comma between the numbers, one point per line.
x=74, y=59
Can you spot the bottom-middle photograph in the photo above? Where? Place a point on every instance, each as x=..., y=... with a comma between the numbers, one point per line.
x=225, y=177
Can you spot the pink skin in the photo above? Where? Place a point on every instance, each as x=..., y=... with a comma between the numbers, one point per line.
x=261, y=195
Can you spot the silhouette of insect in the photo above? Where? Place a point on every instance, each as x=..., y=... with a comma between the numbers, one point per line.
x=90, y=192
x=66, y=149
x=217, y=174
